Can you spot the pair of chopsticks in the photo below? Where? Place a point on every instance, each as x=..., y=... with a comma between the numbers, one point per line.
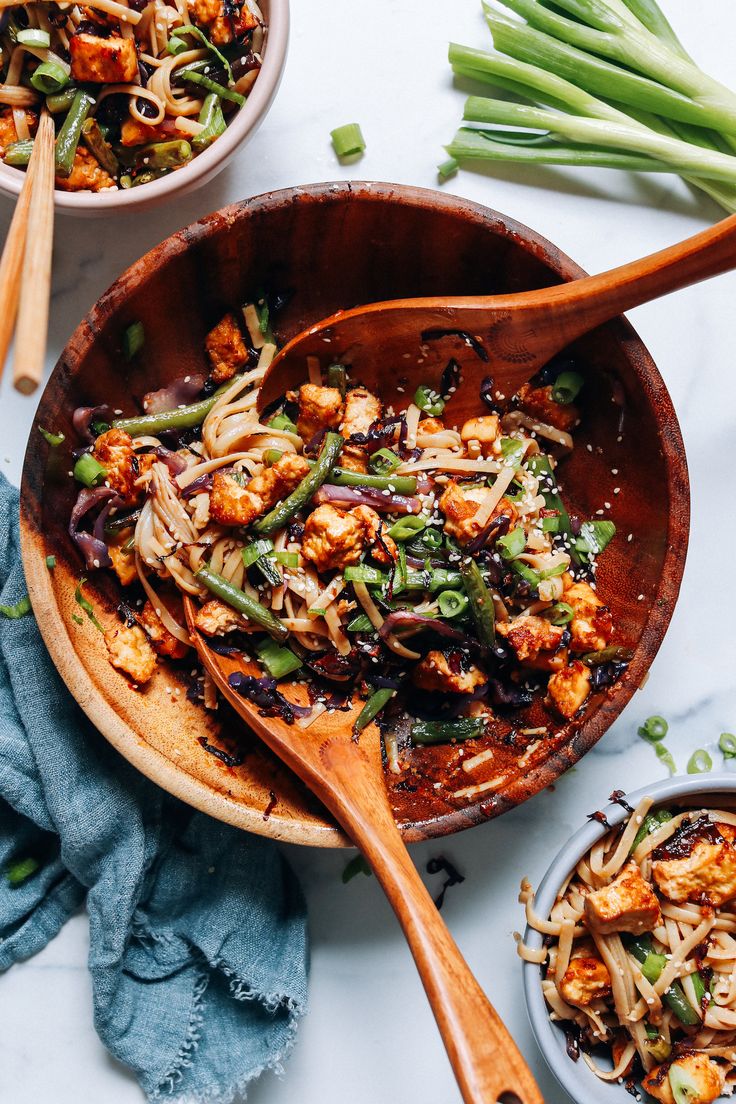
x=25, y=266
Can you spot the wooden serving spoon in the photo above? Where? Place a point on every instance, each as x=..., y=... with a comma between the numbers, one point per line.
x=346, y=774
x=517, y=334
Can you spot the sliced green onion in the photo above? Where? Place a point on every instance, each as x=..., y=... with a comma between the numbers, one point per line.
x=447, y=169
x=666, y=757
x=51, y=562
x=18, y=154
x=376, y=702
x=288, y=559
x=540, y=465
x=594, y=537
x=337, y=377
x=195, y=32
x=254, y=551
x=407, y=528
x=384, y=461
x=89, y=471
x=20, y=609
x=452, y=603
x=654, y=729
x=281, y=422
x=527, y=573
x=358, y=865
x=31, y=36
x=429, y=400
x=85, y=604
x=512, y=450
x=49, y=78
x=652, y=822
x=360, y=624
x=363, y=573
x=278, y=661
x=727, y=744
x=53, y=439
x=258, y=555
x=550, y=524
x=567, y=387
x=57, y=102
x=684, y=1087
x=699, y=762
x=440, y=578
x=347, y=140
x=561, y=613
x=270, y=456
x=193, y=77
x=443, y=732
x=243, y=603
x=134, y=338
x=512, y=544
x=21, y=870
x=431, y=540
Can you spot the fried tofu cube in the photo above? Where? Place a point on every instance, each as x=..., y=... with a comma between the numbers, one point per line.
x=529, y=636
x=333, y=538
x=699, y=1078
x=8, y=133
x=216, y=618
x=585, y=980
x=164, y=643
x=538, y=402
x=430, y=425
x=568, y=688
x=591, y=627
x=447, y=674
x=627, y=904
x=87, y=174
x=130, y=651
x=235, y=502
x=96, y=60
x=213, y=17
x=114, y=451
x=362, y=409
x=461, y=502
x=319, y=408
x=123, y=559
x=135, y=133
x=226, y=349
x=354, y=459
x=383, y=547
x=706, y=876
x=484, y=430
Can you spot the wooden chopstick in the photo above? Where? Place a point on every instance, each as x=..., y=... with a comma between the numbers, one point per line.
x=35, y=282
x=11, y=264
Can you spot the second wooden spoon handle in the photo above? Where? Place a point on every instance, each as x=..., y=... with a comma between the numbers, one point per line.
x=487, y=1065
x=573, y=309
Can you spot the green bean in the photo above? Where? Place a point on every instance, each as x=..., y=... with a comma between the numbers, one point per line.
x=282, y=514
x=94, y=140
x=652, y=966
x=652, y=822
x=182, y=417
x=164, y=155
x=193, y=77
x=242, y=602
x=58, y=102
x=541, y=466
x=372, y=708
x=337, y=378
x=481, y=602
x=68, y=137
x=18, y=154
x=615, y=653
x=212, y=120
x=343, y=477
x=442, y=732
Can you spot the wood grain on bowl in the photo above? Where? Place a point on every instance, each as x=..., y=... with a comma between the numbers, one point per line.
x=325, y=247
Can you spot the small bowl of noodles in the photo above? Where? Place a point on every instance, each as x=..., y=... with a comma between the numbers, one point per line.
x=148, y=97
x=630, y=948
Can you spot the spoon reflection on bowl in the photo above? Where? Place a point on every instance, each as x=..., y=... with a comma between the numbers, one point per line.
x=515, y=334
x=346, y=773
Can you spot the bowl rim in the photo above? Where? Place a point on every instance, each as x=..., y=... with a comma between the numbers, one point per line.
x=548, y=1036
x=206, y=164
x=159, y=768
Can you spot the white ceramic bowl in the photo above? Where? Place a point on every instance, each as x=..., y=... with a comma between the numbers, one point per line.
x=575, y=1077
x=206, y=164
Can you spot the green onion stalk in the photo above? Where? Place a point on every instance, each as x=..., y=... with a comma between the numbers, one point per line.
x=657, y=111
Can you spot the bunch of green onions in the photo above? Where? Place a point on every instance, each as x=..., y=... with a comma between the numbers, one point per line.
x=604, y=83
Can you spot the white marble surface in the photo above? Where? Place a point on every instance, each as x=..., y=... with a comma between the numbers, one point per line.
x=369, y=1037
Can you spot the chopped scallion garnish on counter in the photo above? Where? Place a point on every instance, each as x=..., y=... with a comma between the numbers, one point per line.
x=654, y=729
x=665, y=757
x=699, y=762
x=727, y=744
x=347, y=140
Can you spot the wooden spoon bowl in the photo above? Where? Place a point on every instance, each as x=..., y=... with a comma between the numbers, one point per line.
x=333, y=246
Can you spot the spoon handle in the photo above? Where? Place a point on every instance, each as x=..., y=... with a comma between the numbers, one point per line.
x=486, y=1062
x=558, y=315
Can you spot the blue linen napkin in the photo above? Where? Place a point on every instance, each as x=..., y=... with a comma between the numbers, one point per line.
x=198, y=941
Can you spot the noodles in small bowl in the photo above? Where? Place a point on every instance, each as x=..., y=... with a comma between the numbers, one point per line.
x=630, y=948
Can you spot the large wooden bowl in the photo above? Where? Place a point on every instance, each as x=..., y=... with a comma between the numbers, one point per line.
x=332, y=246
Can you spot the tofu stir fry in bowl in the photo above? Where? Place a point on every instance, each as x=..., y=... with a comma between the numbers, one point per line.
x=346, y=546
x=639, y=953
x=137, y=88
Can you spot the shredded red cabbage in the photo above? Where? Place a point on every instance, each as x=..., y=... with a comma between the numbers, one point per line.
x=487, y=395
x=180, y=392
x=82, y=417
x=470, y=340
x=175, y=463
x=405, y=619
x=201, y=483
x=263, y=693
x=92, y=548
x=451, y=377
x=497, y=526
